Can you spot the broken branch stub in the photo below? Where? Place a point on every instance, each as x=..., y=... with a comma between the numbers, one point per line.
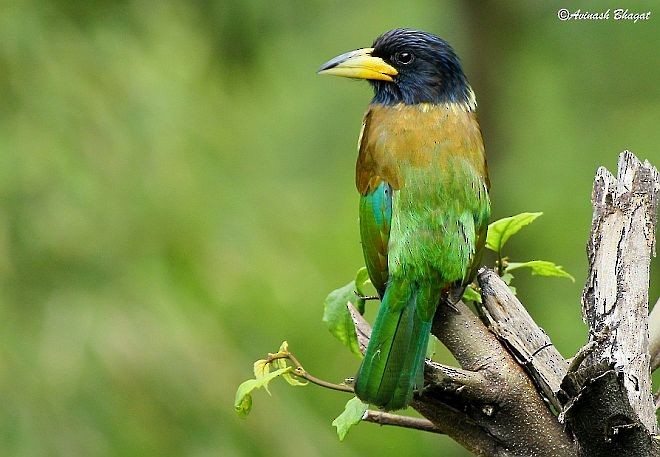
x=615, y=297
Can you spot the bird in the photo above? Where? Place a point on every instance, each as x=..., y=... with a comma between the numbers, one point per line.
x=424, y=204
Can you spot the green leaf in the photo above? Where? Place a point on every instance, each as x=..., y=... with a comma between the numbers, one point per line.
x=507, y=278
x=471, y=294
x=284, y=348
x=500, y=231
x=359, y=304
x=542, y=268
x=261, y=368
x=361, y=281
x=338, y=318
x=363, y=287
x=352, y=414
x=243, y=401
x=294, y=380
x=430, y=347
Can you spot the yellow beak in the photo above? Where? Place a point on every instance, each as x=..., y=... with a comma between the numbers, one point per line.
x=359, y=64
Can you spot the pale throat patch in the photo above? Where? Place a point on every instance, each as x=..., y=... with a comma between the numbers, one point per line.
x=467, y=106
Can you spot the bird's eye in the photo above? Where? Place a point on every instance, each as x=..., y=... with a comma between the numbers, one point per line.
x=404, y=58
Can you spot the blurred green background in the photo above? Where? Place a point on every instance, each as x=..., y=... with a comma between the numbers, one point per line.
x=177, y=198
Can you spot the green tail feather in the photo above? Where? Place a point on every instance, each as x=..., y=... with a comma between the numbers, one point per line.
x=393, y=366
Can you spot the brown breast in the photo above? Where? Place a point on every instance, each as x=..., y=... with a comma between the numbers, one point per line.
x=423, y=135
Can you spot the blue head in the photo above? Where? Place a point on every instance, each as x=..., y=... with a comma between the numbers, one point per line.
x=429, y=70
x=407, y=66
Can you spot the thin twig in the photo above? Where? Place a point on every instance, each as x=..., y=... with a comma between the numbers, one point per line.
x=300, y=372
x=582, y=354
x=382, y=418
x=456, y=382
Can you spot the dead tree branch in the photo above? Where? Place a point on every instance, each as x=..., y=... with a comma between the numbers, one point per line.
x=610, y=408
x=616, y=294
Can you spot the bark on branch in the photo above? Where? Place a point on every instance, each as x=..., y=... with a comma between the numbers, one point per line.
x=510, y=412
x=489, y=405
x=513, y=325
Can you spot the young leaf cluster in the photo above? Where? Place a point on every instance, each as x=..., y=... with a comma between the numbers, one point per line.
x=263, y=376
x=500, y=231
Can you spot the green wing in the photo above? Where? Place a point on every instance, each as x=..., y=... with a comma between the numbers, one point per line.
x=375, y=219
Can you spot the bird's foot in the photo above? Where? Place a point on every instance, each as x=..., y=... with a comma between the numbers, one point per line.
x=452, y=304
